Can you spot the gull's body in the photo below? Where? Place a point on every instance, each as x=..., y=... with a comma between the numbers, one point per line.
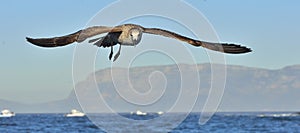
x=130, y=35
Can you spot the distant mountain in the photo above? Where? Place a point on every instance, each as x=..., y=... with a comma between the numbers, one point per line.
x=247, y=88
x=58, y=106
x=262, y=89
x=4, y=104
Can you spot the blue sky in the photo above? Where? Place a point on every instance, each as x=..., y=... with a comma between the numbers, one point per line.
x=31, y=74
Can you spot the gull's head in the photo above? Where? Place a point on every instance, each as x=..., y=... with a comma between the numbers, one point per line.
x=135, y=35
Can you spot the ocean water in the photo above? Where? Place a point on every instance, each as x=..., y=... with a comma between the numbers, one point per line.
x=220, y=122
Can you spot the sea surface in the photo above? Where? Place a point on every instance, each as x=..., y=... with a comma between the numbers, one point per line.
x=220, y=122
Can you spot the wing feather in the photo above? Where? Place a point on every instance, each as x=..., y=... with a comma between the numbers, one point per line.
x=78, y=36
x=221, y=47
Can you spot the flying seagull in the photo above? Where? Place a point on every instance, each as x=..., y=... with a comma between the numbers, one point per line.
x=129, y=35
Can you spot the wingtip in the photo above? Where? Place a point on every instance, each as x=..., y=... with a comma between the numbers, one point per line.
x=245, y=50
x=28, y=39
x=36, y=42
x=236, y=49
x=249, y=50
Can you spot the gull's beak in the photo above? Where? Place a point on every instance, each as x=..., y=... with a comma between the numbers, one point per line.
x=135, y=41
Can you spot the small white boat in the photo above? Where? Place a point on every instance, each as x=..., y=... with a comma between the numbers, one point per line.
x=138, y=112
x=75, y=113
x=160, y=112
x=7, y=113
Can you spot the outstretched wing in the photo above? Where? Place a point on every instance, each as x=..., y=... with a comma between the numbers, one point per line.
x=78, y=36
x=221, y=47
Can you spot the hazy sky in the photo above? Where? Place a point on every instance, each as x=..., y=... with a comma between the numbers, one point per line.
x=32, y=74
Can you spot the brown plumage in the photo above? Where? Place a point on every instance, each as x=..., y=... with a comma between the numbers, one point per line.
x=130, y=34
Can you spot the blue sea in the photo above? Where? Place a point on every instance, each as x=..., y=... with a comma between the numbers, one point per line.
x=220, y=122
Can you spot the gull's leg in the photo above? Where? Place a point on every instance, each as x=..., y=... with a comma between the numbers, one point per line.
x=111, y=52
x=117, y=55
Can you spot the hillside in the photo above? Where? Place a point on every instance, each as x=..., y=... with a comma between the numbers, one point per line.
x=247, y=89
